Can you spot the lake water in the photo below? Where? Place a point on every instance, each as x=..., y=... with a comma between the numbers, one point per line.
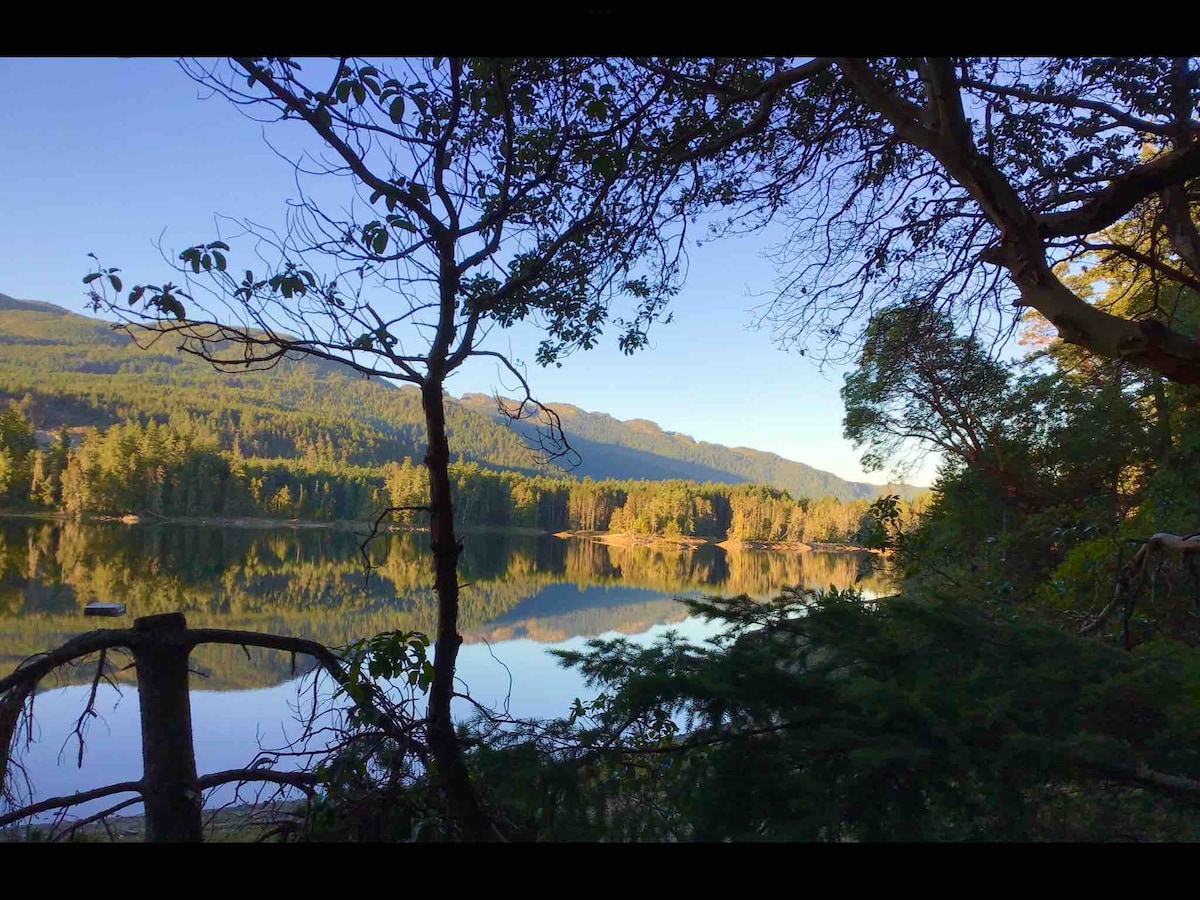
x=524, y=596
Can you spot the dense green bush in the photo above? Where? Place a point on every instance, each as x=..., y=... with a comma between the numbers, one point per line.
x=822, y=717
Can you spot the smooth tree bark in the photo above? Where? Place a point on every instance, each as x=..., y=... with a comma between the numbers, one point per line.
x=1019, y=246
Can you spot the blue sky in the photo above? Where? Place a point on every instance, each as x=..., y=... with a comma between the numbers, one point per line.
x=103, y=155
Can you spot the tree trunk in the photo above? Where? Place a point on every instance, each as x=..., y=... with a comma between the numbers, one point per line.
x=169, y=786
x=452, y=772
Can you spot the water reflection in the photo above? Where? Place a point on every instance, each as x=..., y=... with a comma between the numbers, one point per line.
x=310, y=582
x=523, y=596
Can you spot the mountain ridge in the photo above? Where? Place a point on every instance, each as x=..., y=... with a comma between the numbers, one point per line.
x=80, y=371
x=730, y=465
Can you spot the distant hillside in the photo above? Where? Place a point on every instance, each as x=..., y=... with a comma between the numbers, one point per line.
x=7, y=302
x=611, y=448
x=79, y=371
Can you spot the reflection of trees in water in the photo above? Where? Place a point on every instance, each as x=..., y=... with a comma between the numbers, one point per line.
x=762, y=574
x=709, y=569
x=310, y=582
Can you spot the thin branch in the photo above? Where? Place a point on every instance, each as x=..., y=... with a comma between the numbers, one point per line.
x=24, y=812
x=98, y=817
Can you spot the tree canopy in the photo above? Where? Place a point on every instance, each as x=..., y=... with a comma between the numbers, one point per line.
x=917, y=380
x=960, y=182
x=485, y=192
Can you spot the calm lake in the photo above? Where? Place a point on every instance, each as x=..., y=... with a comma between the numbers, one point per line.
x=524, y=595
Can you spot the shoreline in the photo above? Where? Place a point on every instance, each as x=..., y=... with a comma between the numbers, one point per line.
x=609, y=538
x=778, y=546
x=243, y=823
x=625, y=539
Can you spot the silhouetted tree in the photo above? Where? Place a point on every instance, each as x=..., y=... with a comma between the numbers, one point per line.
x=956, y=181
x=489, y=191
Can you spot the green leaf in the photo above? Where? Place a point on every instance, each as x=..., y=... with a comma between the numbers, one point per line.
x=115, y=282
x=88, y=279
x=379, y=242
x=396, y=111
x=219, y=258
x=604, y=166
x=168, y=303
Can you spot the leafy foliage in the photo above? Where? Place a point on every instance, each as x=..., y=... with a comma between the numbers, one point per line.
x=916, y=381
x=821, y=717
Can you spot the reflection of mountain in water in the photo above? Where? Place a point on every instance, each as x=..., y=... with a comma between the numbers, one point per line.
x=310, y=582
x=563, y=611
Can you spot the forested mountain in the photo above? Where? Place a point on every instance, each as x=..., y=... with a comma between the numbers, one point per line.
x=77, y=372
x=611, y=448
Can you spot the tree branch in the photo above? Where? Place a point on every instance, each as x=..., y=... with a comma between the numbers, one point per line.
x=1123, y=193
x=64, y=802
x=1066, y=100
x=352, y=159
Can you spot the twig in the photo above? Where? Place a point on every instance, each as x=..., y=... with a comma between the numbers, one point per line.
x=89, y=711
x=123, y=787
x=374, y=533
x=100, y=816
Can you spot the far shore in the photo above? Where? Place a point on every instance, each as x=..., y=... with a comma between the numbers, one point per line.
x=624, y=539
x=611, y=538
x=783, y=546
